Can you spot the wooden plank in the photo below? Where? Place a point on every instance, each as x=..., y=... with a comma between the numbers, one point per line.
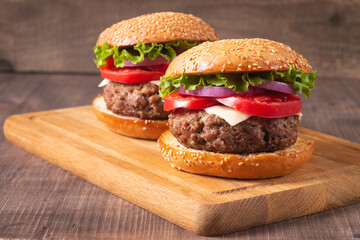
x=58, y=36
x=134, y=170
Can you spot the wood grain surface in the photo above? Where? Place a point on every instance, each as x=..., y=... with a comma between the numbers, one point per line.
x=39, y=200
x=134, y=170
x=58, y=35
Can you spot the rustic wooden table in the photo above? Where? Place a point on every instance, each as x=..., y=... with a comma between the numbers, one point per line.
x=39, y=200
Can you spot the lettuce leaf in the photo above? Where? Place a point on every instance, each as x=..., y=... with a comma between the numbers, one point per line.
x=137, y=53
x=301, y=82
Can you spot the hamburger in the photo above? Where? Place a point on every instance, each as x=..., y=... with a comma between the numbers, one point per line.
x=235, y=112
x=131, y=56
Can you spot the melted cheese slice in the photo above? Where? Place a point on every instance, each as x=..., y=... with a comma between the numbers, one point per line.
x=104, y=82
x=107, y=81
x=157, y=82
x=230, y=115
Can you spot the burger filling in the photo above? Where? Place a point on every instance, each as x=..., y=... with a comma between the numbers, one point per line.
x=236, y=113
x=140, y=100
x=131, y=76
x=128, y=56
x=292, y=81
x=199, y=130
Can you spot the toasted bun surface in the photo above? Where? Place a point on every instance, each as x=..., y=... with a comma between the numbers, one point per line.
x=157, y=27
x=250, y=166
x=128, y=126
x=237, y=55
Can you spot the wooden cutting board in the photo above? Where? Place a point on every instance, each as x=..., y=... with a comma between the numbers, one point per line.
x=133, y=169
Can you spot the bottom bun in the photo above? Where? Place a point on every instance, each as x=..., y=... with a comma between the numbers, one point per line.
x=128, y=126
x=249, y=166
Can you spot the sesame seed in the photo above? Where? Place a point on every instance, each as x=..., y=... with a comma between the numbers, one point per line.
x=240, y=55
x=146, y=28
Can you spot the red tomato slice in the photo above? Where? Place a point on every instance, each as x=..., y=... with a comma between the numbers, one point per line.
x=178, y=100
x=269, y=104
x=132, y=74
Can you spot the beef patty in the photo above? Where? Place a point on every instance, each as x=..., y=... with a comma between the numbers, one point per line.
x=200, y=130
x=140, y=100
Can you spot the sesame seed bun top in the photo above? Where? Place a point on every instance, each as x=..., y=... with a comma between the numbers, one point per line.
x=237, y=55
x=157, y=27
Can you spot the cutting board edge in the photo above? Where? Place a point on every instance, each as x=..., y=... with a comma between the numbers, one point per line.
x=275, y=210
x=205, y=219
x=206, y=213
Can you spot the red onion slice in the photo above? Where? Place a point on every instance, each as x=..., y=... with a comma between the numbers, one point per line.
x=179, y=51
x=219, y=91
x=214, y=91
x=147, y=62
x=278, y=86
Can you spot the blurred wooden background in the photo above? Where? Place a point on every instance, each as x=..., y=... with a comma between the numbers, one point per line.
x=58, y=35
